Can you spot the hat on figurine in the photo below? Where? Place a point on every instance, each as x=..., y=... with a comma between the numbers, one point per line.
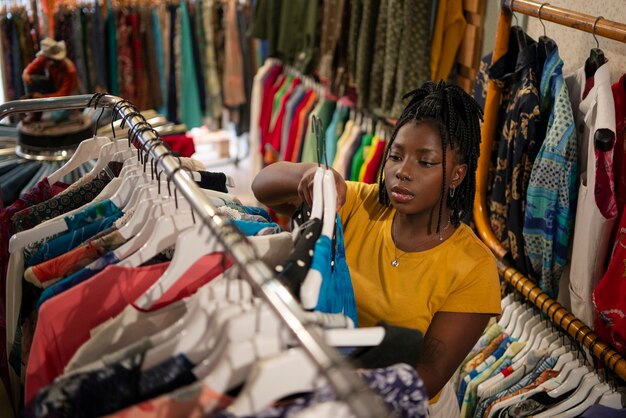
x=52, y=49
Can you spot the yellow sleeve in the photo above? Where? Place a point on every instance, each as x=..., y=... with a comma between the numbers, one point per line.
x=478, y=292
x=357, y=194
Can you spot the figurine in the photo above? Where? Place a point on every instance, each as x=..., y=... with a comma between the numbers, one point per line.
x=51, y=74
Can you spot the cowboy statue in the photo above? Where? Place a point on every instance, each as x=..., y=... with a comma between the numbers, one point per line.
x=51, y=74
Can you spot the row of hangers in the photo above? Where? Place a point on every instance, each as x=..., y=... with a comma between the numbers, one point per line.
x=603, y=138
x=524, y=323
x=230, y=336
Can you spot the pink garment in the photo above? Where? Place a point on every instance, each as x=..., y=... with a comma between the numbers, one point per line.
x=192, y=403
x=65, y=321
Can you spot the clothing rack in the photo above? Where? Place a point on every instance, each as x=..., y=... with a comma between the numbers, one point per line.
x=556, y=312
x=339, y=373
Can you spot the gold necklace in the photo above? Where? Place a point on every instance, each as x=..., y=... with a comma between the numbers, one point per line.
x=395, y=262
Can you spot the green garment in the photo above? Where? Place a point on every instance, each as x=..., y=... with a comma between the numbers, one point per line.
x=392, y=56
x=297, y=33
x=278, y=98
x=191, y=112
x=353, y=36
x=365, y=52
x=359, y=156
x=378, y=60
x=265, y=24
x=324, y=111
x=414, y=61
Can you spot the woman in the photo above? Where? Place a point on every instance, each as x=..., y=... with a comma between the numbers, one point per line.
x=412, y=262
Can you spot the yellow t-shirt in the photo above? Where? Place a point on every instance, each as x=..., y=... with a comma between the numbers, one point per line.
x=458, y=275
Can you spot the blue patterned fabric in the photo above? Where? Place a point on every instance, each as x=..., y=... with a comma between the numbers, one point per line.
x=253, y=210
x=80, y=276
x=553, y=187
x=70, y=240
x=92, y=213
x=251, y=228
x=399, y=386
x=336, y=294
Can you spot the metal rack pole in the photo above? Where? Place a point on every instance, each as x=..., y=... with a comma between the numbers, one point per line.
x=556, y=312
x=348, y=386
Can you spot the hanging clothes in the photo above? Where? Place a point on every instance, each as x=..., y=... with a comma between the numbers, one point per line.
x=553, y=185
x=596, y=208
x=519, y=138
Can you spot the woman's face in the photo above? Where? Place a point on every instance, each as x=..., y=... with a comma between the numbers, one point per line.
x=413, y=170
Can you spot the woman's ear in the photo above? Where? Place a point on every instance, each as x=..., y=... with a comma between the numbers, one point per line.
x=458, y=174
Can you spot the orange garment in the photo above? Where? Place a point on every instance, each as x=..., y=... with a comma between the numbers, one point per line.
x=51, y=271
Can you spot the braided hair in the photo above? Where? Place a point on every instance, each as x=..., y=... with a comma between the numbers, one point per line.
x=458, y=116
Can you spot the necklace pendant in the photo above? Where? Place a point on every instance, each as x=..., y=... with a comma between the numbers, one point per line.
x=395, y=262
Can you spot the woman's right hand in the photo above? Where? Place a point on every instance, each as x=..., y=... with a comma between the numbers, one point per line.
x=305, y=187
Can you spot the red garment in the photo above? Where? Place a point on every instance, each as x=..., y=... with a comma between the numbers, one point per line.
x=275, y=136
x=267, y=109
x=182, y=144
x=293, y=129
x=65, y=321
x=266, y=104
x=609, y=297
x=135, y=36
x=63, y=75
x=41, y=192
x=619, y=158
x=371, y=170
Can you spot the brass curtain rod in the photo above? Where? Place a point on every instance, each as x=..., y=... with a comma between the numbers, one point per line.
x=584, y=22
x=555, y=311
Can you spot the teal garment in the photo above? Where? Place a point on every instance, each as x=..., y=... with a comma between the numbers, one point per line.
x=191, y=112
x=334, y=131
x=251, y=228
x=325, y=114
x=114, y=87
x=359, y=157
x=160, y=57
x=70, y=240
x=91, y=213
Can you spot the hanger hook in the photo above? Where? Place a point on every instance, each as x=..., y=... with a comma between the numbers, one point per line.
x=593, y=30
x=541, y=20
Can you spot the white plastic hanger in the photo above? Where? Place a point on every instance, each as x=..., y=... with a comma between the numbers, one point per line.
x=58, y=225
x=275, y=378
x=163, y=236
x=521, y=308
x=198, y=334
x=507, y=313
x=586, y=385
x=612, y=399
x=312, y=284
x=317, y=205
x=519, y=324
x=570, y=381
x=234, y=366
x=107, y=151
x=590, y=399
x=191, y=245
x=89, y=149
